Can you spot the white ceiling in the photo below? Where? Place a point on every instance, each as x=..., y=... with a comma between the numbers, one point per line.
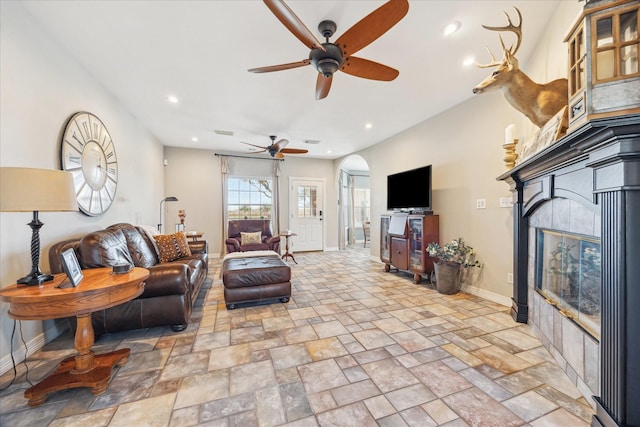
x=200, y=51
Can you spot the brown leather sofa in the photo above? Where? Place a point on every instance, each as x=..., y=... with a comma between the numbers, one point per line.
x=236, y=227
x=169, y=292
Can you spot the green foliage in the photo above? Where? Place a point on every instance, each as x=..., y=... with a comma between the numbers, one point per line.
x=454, y=252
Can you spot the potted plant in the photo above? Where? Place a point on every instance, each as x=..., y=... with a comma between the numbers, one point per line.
x=451, y=259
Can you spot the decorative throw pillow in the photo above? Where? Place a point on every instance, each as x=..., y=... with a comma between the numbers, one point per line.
x=246, y=238
x=167, y=247
x=183, y=245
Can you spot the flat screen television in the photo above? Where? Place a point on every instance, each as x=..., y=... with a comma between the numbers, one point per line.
x=410, y=190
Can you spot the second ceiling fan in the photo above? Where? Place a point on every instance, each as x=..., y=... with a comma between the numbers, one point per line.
x=330, y=57
x=277, y=149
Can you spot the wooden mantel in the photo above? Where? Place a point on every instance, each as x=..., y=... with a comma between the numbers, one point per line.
x=596, y=164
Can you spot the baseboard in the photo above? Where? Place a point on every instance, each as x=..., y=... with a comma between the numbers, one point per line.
x=491, y=296
x=33, y=345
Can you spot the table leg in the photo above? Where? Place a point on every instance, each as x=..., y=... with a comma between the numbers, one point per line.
x=82, y=370
x=286, y=251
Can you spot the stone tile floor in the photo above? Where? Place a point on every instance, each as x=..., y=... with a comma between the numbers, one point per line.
x=355, y=346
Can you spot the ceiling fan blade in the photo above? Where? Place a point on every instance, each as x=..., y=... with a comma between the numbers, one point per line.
x=323, y=84
x=253, y=145
x=368, y=69
x=279, y=156
x=280, y=67
x=280, y=144
x=372, y=26
x=293, y=151
x=293, y=23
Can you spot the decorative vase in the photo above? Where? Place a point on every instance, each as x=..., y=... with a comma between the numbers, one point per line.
x=447, y=277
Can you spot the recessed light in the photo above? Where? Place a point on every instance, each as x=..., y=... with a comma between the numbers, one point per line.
x=451, y=28
x=329, y=151
x=194, y=139
x=172, y=99
x=368, y=126
x=469, y=61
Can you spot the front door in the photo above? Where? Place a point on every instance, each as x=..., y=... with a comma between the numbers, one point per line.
x=306, y=214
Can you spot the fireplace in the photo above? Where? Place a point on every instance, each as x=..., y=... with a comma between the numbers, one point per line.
x=568, y=268
x=576, y=232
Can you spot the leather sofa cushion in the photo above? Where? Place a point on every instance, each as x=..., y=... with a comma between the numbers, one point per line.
x=142, y=253
x=254, y=271
x=105, y=248
x=167, y=279
x=254, y=247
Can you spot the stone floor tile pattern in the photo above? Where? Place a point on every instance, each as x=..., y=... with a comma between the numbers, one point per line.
x=355, y=346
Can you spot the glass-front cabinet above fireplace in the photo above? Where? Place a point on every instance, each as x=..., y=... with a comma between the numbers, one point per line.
x=603, y=73
x=568, y=275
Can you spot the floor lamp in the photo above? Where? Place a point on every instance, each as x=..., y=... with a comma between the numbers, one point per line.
x=166, y=199
x=36, y=190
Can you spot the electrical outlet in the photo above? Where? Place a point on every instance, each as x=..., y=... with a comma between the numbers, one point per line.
x=481, y=203
x=506, y=202
x=510, y=278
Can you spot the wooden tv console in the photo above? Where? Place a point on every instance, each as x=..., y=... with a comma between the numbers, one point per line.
x=403, y=242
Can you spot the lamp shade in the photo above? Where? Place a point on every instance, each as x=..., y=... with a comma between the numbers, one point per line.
x=30, y=189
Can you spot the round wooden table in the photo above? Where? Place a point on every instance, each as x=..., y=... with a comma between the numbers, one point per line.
x=99, y=289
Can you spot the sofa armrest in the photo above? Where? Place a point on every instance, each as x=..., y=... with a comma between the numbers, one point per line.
x=233, y=245
x=273, y=239
x=166, y=279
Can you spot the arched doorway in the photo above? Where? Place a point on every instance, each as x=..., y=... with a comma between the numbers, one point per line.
x=353, y=200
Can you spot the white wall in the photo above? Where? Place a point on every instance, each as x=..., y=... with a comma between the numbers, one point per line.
x=41, y=87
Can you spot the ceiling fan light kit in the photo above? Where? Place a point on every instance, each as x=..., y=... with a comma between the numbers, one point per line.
x=327, y=58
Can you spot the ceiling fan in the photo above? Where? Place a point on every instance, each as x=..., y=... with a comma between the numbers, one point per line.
x=330, y=57
x=277, y=149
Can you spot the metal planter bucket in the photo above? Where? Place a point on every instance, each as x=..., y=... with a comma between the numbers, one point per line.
x=448, y=277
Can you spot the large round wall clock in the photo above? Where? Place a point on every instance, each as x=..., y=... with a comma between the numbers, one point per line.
x=89, y=154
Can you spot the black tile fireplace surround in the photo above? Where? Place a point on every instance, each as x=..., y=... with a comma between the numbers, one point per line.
x=599, y=164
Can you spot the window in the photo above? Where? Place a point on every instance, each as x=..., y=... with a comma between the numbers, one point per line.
x=307, y=201
x=249, y=198
x=577, y=57
x=616, y=45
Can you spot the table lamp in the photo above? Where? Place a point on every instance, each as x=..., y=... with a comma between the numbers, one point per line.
x=166, y=199
x=36, y=190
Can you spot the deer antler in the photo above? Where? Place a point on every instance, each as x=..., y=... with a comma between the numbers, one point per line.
x=516, y=29
x=493, y=62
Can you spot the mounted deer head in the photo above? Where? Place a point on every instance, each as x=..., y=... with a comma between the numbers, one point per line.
x=539, y=102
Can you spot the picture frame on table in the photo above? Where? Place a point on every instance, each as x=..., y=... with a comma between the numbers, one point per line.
x=71, y=266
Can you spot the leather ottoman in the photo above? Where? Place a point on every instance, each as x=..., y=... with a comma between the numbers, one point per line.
x=255, y=276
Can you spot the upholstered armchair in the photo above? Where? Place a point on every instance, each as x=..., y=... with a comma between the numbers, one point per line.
x=251, y=235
